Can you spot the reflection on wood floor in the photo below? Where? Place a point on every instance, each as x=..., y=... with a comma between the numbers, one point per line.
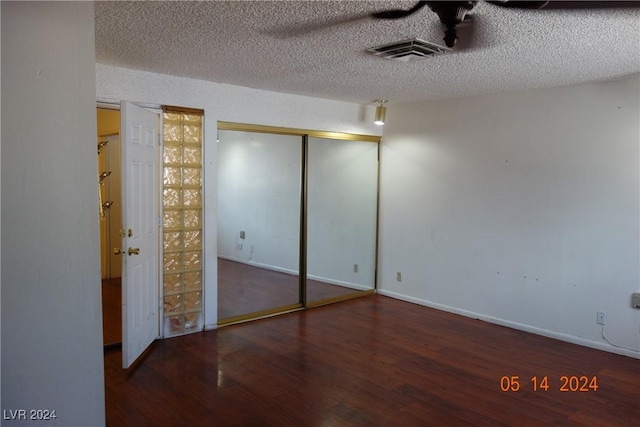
x=244, y=289
x=371, y=361
x=111, y=311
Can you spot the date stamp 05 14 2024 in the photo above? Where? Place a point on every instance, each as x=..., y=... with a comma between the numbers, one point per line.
x=566, y=383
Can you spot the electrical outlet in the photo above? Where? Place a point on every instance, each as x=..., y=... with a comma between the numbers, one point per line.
x=355, y=268
x=602, y=318
x=635, y=300
x=399, y=276
x=242, y=234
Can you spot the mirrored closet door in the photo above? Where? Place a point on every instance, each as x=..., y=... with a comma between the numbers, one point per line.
x=342, y=198
x=297, y=219
x=258, y=223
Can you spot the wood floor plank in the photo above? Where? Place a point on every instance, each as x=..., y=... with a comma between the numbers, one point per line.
x=111, y=311
x=372, y=361
x=244, y=289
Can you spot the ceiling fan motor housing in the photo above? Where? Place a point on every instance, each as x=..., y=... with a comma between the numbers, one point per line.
x=451, y=13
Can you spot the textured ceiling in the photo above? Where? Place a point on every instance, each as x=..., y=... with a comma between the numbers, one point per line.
x=292, y=47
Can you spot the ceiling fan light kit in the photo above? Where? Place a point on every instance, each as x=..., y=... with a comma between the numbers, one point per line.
x=451, y=14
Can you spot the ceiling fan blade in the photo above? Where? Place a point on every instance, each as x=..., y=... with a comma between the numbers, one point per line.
x=398, y=13
x=520, y=4
x=323, y=25
x=301, y=30
x=564, y=5
x=590, y=4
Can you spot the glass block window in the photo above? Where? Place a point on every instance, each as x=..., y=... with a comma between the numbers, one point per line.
x=182, y=222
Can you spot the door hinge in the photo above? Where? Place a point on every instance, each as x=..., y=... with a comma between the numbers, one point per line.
x=123, y=233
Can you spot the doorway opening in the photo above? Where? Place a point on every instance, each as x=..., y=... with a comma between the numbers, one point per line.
x=128, y=197
x=110, y=208
x=149, y=165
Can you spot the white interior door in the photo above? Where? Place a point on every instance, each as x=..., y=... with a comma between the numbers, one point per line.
x=140, y=245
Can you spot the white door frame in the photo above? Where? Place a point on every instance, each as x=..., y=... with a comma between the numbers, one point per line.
x=116, y=105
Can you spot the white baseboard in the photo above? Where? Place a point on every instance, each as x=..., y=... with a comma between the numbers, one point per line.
x=259, y=264
x=514, y=325
x=351, y=285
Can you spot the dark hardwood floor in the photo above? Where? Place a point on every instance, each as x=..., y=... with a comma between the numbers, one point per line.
x=244, y=289
x=371, y=361
x=111, y=311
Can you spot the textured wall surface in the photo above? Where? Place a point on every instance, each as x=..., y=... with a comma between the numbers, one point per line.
x=522, y=209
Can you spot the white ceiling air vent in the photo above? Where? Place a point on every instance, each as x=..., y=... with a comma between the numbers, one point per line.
x=408, y=50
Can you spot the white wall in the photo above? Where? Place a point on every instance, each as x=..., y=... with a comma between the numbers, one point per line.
x=259, y=193
x=235, y=104
x=51, y=301
x=521, y=209
x=342, y=212
x=0, y=222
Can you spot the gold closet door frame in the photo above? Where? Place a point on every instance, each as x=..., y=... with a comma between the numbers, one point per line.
x=299, y=132
x=305, y=134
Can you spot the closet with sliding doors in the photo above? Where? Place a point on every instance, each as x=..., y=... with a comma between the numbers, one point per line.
x=297, y=219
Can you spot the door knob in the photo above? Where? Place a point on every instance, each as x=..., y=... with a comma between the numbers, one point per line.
x=133, y=251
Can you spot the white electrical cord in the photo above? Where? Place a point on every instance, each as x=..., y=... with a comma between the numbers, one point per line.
x=615, y=345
